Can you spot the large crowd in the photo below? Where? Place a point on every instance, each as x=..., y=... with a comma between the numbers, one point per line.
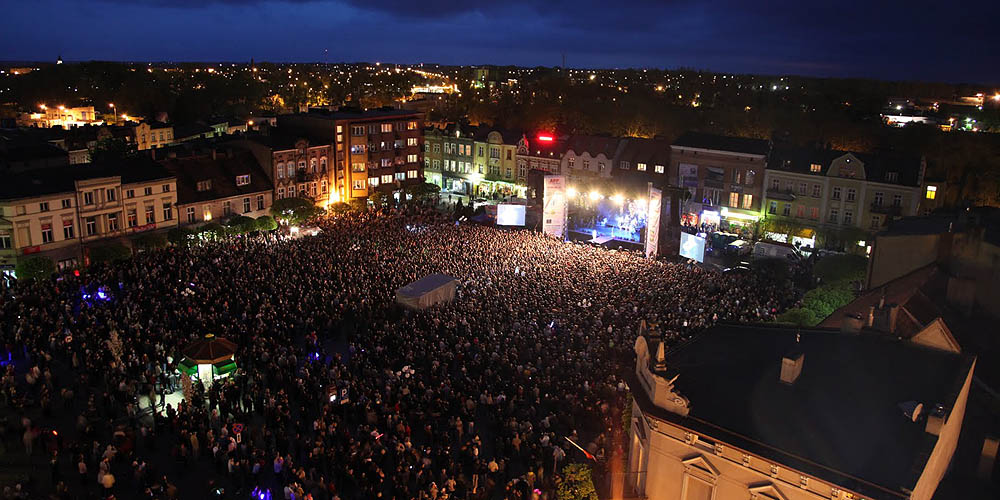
x=340, y=392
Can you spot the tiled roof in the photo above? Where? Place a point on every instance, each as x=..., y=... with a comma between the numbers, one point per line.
x=222, y=171
x=44, y=181
x=877, y=165
x=715, y=142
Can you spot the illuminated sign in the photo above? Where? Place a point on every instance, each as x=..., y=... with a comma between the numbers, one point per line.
x=545, y=138
x=692, y=247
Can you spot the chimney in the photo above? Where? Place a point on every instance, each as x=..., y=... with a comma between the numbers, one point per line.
x=661, y=357
x=883, y=319
x=791, y=365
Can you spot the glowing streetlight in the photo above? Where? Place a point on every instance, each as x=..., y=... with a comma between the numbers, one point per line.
x=61, y=107
x=594, y=196
x=250, y=123
x=43, y=107
x=571, y=192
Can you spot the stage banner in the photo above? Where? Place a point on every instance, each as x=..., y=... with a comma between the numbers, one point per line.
x=653, y=221
x=554, y=208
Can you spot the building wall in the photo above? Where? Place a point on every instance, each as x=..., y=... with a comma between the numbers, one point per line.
x=582, y=166
x=895, y=256
x=690, y=169
x=28, y=219
x=311, y=173
x=203, y=212
x=672, y=460
x=154, y=204
x=147, y=137
x=944, y=449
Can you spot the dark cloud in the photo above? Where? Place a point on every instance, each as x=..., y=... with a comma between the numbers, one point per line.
x=891, y=40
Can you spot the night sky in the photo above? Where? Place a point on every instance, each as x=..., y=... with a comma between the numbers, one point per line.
x=945, y=41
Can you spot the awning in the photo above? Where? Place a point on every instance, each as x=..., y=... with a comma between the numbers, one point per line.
x=224, y=367
x=187, y=367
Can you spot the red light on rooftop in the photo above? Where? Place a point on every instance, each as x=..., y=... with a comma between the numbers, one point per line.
x=545, y=138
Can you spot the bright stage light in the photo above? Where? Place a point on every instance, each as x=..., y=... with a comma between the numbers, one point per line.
x=571, y=192
x=594, y=196
x=619, y=199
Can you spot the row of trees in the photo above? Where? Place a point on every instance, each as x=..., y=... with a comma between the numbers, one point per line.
x=838, y=276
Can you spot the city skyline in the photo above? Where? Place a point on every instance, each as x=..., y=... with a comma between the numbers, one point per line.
x=859, y=40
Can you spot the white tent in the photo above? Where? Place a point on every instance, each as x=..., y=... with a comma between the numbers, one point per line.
x=427, y=291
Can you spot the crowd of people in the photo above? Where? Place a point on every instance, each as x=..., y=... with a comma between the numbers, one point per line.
x=340, y=393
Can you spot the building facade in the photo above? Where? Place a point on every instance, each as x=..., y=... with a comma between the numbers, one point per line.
x=296, y=165
x=375, y=150
x=829, y=191
x=217, y=186
x=724, y=176
x=56, y=213
x=762, y=421
x=495, y=160
x=61, y=116
x=450, y=155
x=151, y=135
x=589, y=159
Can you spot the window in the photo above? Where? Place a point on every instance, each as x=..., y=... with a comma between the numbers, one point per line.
x=206, y=212
x=386, y=128
x=227, y=208
x=570, y=161
x=291, y=169
x=931, y=192
x=800, y=211
x=281, y=193
x=312, y=168
x=168, y=211
x=260, y=199
x=4, y=241
x=66, y=203
x=437, y=148
x=814, y=213
x=246, y=205
x=815, y=168
x=358, y=167
x=802, y=188
x=834, y=215
x=734, y=199
x=658, y=169
x=600, y=166
x=876, y=221
x=150, y=214
x=204, y=185
x=411, y=141
x=357, y=149
x=166, y=188
x=322, y=164
x=281, y=170
x=358, y=184
x=816, y=190
x=131, y=217
x=481, y=153
x=411, y=158
x=892, y=176
x=848, y=217
x=387, y=179
x=129, y=193
x=749, y=177
x=640, y=167
x=373, y=181
x=411, y=174
x=495, y=153
x=400, y=176
x=112, y=222
x=736, y=176
x=508, y=155
x=897, y=200
x=747, y=201
x=773, y=209
x=190, y=215
x=88, y=198
x=411, y=125
x=623, y=165
x=835, y=193
x=852, y=194
x=786, y=210
x=43, y=206
x=67, y=229
x=147, y=191
x=775, y=184
x=386, y=162
x=46, y=233
x=357, y=130
x=878, y=199
x=242, y=180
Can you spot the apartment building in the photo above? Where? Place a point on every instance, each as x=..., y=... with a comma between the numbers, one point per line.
x=374, y=150
x=151, y=135
x=495, y=160
x=218, y=185
x=448, y=154
x=296, y=164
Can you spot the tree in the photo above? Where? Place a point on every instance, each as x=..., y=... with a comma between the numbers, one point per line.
x=577, y=483
x=340, y=208
x=212, y=231
x=180, y=236
x=378, y=199
x=294, y=210
x=150, y=241
x=34, y=268
x=241, y=224
x=109, y=253
x=111, y=150
x=798, y=316
x=422, y=191
x=358, y=205
x=835, y=268
x=266, y=223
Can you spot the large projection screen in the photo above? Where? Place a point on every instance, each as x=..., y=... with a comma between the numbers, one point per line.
x=693, y=247
x=510, y=215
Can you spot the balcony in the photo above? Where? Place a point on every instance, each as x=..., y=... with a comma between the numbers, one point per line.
x=780, y=194
x=893, y=210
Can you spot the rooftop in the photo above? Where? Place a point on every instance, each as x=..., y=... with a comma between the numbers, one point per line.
x=878, y=166
x=351, y=113
x=700, y=140
x=222, y=171
x=839, y=421
x=44, y=181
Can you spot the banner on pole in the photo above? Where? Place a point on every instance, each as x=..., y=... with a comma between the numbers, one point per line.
x=653, y=221
x=555, y=206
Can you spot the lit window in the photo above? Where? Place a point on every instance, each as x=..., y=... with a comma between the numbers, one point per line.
x=373, y=181
x=640, y=167
x=815, y=167
x=658, y=169
x=931, y=192
x=242, y=180
x=747, y=201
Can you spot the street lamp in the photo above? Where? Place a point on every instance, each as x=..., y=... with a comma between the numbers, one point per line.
x=114, y=112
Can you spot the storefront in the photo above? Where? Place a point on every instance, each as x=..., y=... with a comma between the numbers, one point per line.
x=726, y=217
x=500, y=189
